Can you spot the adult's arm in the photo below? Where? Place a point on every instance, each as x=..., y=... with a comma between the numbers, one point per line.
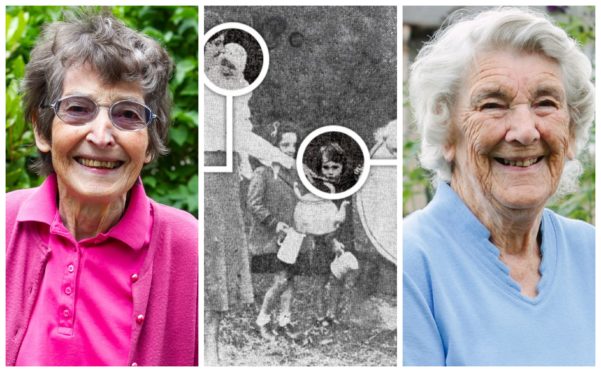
x=246, y=141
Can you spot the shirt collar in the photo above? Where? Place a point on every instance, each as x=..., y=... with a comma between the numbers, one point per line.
x=133, y=228
x=454, y=210
x=41, y=205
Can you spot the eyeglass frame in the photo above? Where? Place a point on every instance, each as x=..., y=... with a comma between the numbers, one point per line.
x=55, y=104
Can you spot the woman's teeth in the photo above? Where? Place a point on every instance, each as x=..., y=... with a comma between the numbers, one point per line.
x=519, y=163
x=98, y=163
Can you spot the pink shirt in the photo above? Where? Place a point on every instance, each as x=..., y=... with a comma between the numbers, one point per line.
x=84, y=309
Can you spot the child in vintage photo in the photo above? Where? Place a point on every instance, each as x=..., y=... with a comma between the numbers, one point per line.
x=271, y=201
x=337, y=173
x=334, y=173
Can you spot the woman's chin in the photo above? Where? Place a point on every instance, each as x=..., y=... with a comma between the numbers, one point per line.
x=522, y=197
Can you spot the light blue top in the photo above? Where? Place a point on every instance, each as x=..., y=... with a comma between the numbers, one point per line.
x=461, y=307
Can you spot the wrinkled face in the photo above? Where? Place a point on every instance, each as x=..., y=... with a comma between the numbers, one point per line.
x=331, y=170
x=511, y=130
x=288, y=144
x=96, y=162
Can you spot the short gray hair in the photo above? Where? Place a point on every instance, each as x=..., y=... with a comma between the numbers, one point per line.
x=441, y=65
x=115, y=51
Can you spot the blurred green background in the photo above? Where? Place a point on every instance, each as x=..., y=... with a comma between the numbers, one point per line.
x=171, y=179
x=417, y=189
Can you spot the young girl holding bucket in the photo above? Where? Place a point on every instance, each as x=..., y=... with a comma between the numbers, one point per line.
x=271, y=201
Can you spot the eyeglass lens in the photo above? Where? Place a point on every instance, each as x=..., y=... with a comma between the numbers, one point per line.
x=126, y=115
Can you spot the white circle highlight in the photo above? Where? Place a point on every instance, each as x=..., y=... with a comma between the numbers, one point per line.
x=264, y=67
x=364, y=173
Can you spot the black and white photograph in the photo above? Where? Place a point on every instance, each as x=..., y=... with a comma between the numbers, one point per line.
x=233, y=59
x=292, y=278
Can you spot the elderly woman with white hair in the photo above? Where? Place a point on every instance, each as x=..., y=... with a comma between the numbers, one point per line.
x=504, y=101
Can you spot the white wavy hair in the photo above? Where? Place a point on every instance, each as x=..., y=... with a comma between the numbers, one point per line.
x=441, y=64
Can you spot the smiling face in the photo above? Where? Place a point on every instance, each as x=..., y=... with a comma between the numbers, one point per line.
x=511, y=132
x=288, y=144
x=96, y=162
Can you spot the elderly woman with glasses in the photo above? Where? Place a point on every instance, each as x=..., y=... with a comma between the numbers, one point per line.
x=504, y=102
x=98, y=273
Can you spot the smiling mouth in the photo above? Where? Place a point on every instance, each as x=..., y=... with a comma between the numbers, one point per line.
x=519, y=163
x=91, y=163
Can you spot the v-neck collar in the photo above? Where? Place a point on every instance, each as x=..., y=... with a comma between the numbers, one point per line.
x=474, y=237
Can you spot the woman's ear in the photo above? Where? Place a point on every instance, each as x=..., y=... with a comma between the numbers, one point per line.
x=40, y=141
x=450, y=148
x=571, y=150
x=448, y=152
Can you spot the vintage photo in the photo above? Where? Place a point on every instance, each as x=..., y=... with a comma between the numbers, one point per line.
x=292, y=278
x=233, y=59
x=332, y=162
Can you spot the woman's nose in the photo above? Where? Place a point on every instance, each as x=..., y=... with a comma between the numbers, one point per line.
x=101, y=129
x=522, y=126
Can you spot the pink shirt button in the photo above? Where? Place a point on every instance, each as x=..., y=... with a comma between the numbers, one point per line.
x=71, y=268
x=134, y=364
x=68, y=290
x=134, y=278
x=140, y=318
x=66, y=313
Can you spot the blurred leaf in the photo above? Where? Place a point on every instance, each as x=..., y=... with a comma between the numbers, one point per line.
x=18, y=67
x=193, y=184
x=183, y=67
x=15, y=29
x=179, y=134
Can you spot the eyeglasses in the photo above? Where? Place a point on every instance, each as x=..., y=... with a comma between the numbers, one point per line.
x=125, y=115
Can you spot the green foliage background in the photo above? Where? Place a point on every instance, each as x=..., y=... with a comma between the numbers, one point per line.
x=172, y=179
x=579, y=205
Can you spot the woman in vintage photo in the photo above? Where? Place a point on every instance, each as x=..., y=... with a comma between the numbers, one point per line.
x=504, y=102
x=213, y=50
x=225, y=65
x=227, y=281
x=100, y=274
